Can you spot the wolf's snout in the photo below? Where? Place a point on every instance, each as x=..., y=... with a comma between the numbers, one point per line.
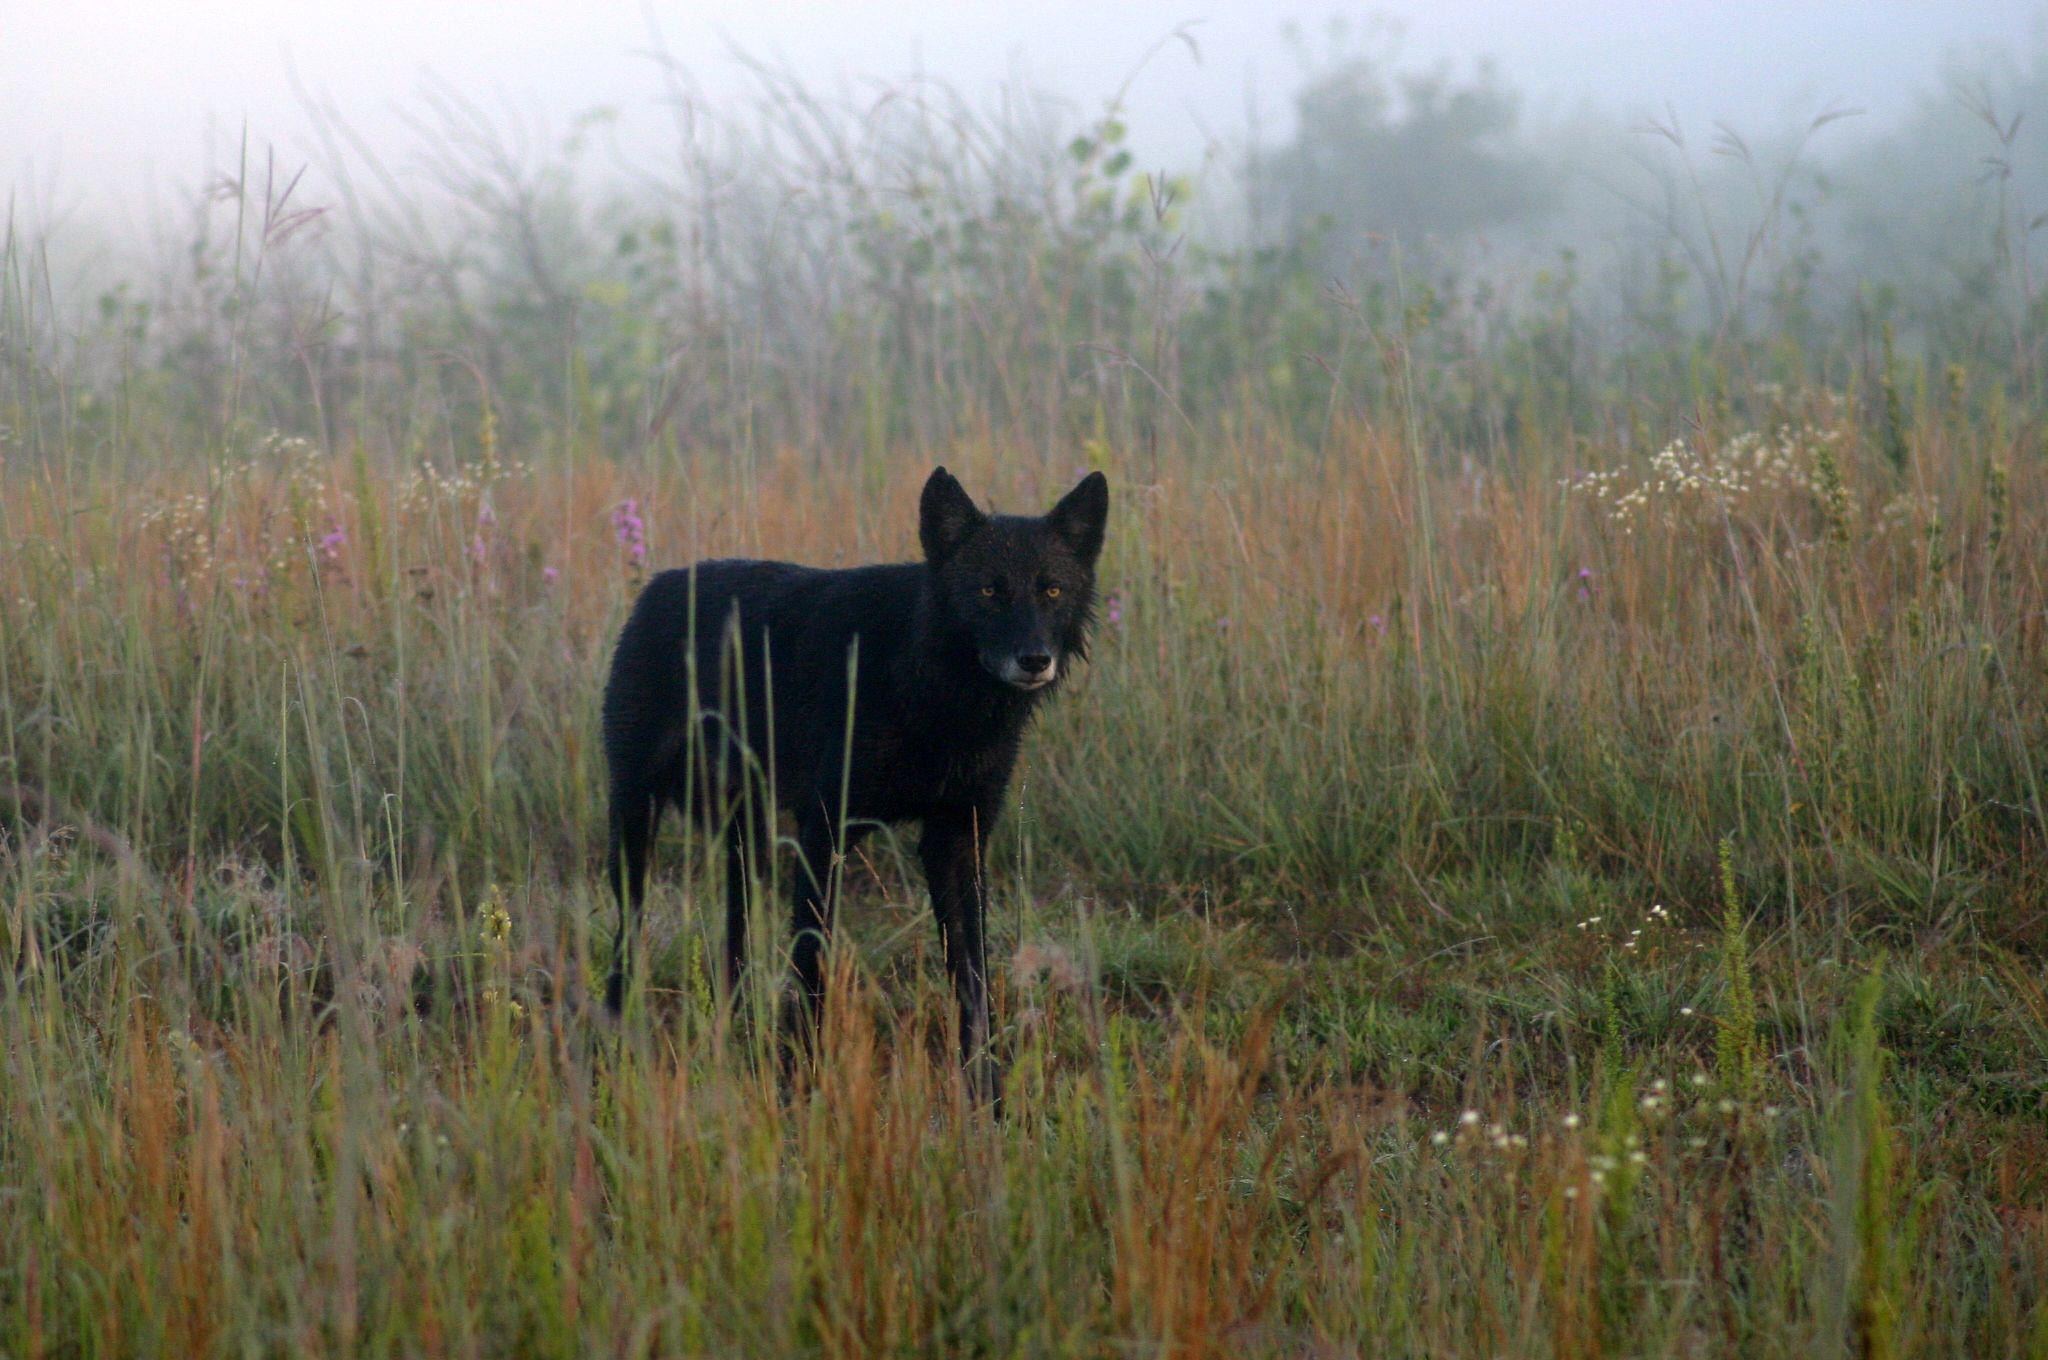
x=1029, y=670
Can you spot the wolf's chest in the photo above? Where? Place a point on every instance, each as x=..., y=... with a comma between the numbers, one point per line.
x=903, y=769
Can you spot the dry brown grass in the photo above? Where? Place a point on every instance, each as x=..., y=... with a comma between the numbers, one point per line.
x=279, y=1089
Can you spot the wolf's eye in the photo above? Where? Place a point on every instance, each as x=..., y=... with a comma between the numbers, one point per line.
x=989, y=592
x=1052, y=592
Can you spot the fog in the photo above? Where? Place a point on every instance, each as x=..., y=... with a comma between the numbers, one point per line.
x=699, y=225
x=107, y=108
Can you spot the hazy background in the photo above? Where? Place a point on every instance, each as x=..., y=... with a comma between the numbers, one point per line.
x=678, y=224
x=104, y=103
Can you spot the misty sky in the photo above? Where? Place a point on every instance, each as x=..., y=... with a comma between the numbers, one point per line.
x=103, y=102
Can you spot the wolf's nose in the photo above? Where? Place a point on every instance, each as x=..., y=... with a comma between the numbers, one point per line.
x=1034, y=663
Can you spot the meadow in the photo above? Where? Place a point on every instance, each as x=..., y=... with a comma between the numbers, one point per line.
x=1544, y=860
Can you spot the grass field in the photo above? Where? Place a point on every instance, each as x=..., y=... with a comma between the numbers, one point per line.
x=1592, y=905
x=1549, y=856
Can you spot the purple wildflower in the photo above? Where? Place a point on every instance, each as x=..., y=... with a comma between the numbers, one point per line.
x=550, y=574
x=1378, y=622
x=1115, y=609
x=331, y=543
x=1585, y=583
x=485, y=516
x=631, y=530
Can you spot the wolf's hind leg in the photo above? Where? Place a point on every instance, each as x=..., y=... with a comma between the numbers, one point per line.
x=746, y=862
x=634, y=812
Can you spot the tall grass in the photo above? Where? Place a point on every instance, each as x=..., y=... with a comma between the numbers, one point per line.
x=1544, y=860
x=341, y=662
x=280, y=734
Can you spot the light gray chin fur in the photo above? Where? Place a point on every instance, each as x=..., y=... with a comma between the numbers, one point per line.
x=1014, y=674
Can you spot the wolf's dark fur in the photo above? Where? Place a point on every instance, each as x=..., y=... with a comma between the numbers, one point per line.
x=949, y=658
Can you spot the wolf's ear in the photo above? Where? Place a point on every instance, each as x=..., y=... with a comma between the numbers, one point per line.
x=1080, y=516
x=945, y=516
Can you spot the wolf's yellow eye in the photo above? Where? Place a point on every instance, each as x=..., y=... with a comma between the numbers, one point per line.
x=1052, y=592
x=989, y=591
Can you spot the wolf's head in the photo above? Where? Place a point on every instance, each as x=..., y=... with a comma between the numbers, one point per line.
x=1018, y=590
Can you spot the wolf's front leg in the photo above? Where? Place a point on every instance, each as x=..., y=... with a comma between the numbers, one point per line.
x=811, y=924
x=952, y=851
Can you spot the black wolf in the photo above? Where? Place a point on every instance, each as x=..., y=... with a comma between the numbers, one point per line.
x=734, y=677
